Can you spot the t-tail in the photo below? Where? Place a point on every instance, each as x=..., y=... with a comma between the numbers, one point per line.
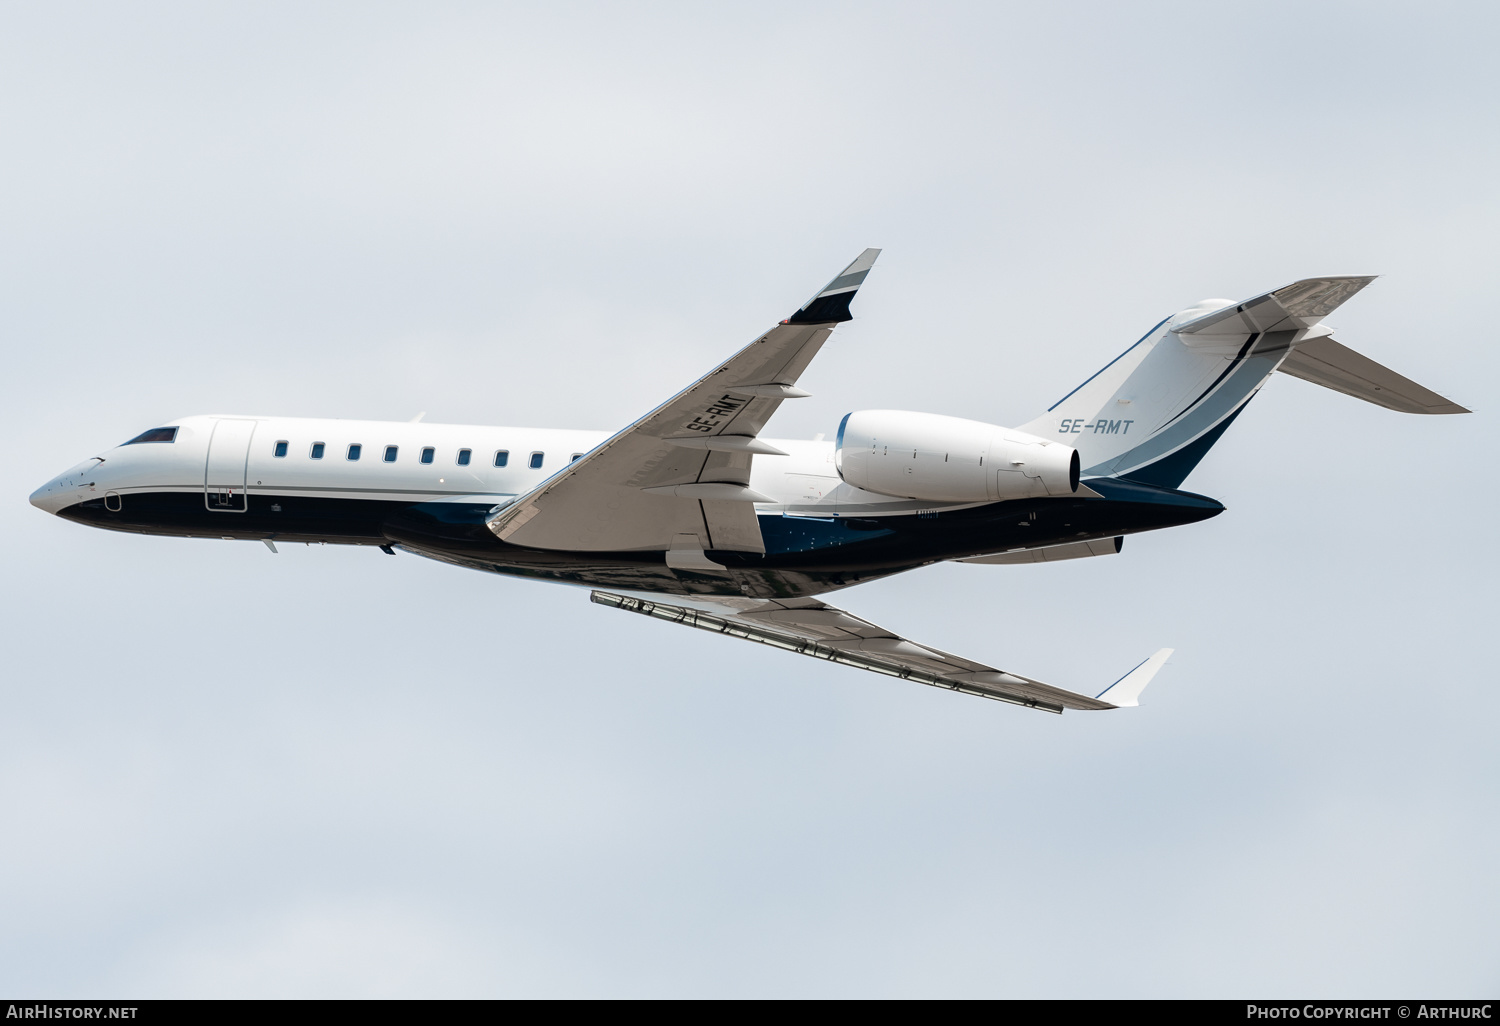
x=1152, y=413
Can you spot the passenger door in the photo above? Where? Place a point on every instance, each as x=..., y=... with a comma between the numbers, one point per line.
x=224, y=475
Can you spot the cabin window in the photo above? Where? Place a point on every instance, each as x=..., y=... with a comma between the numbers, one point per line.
x=463, y=457
x=354, y=450
x=576, y=457
x=390, y=453
x=536, y=460
x=317, y=451
x=502, y=457
x=280, y=450
x=167, y=434
x=428, y=453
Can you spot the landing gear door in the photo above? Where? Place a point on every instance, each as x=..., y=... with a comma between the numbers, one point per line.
x=224, y=475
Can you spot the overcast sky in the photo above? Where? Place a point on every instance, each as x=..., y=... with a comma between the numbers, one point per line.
x=334, y=773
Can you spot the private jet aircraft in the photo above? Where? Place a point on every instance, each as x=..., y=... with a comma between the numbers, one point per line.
x=691, y=516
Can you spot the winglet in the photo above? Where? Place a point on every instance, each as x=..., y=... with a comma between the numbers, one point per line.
x=831, y=305
x=1126, y=691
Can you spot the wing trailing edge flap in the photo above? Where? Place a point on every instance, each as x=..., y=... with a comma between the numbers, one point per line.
x=808, y=627
x=1050, y=553
x=684, y=468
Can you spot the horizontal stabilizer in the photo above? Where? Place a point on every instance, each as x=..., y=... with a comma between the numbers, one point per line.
x=1324, y=362
x=810, y=628
x=1290, y=308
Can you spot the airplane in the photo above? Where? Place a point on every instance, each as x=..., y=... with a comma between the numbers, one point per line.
x=689, y=515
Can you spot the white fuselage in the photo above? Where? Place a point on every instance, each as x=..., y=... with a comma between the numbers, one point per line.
x=439, y=490
x=216, y=453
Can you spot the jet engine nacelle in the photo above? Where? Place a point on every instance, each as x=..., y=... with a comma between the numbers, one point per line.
x=947, y=459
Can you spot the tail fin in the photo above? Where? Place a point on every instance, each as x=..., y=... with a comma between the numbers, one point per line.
x=1152, y=413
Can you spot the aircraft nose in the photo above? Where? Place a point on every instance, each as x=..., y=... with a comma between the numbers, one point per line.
x=49, y=497
x=63, y=490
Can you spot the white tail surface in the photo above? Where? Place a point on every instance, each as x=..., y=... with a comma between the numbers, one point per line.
x=1325, y=362
x=1153, y=412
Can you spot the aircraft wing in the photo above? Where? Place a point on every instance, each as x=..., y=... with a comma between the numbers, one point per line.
x=810, y=628
x=679, y=478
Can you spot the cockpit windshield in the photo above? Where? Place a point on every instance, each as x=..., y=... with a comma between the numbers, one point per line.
x=166, y=434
